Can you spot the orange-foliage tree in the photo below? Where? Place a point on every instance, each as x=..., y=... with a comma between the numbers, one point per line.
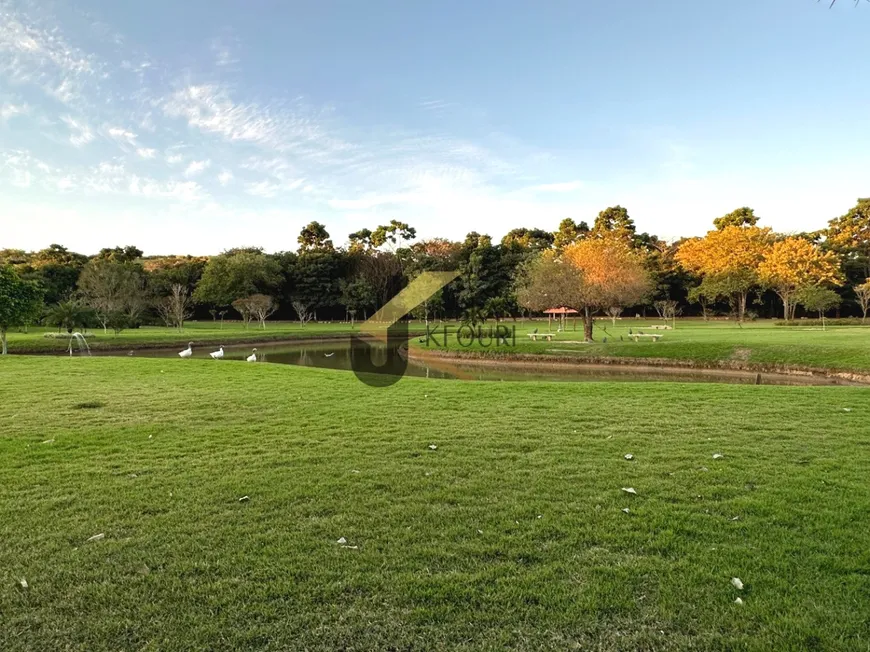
x=794, y=264
x=613, y=275
x=849, y=236
x=728, y=261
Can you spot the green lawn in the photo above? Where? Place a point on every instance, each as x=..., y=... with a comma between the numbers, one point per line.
x=841, y=348
x=35, y=341
x=510, y=535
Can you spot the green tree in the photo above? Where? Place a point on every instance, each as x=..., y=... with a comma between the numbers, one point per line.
x=744, y=216
x=614, y=221
x=569, y=232
x=115, y=291
x=68, y=315
x=849, y=236
x=236, y=274
x=126, y=254
x=819, y=299
x=20, y=303
x=314, y=237
x=528, y=239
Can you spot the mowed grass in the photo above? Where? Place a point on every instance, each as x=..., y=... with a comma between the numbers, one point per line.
x=203, y=332
x=510, y=535
x=845, y=348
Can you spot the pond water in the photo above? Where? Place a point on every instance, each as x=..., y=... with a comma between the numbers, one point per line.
x=339, y=354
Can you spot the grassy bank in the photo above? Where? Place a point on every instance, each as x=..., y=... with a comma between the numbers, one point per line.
x=36, y=341
x=759, y=343
x=510, y=534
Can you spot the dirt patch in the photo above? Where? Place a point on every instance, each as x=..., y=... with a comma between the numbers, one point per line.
x=741, y=354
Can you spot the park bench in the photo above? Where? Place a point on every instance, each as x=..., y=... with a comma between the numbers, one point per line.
x=636, y=336
x=547, y=336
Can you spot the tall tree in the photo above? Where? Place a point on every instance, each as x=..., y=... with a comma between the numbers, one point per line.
x=20, y=302
x=744, y=216
x=115, y=291
x=614, y=221
x=236, y=274
x=793, y=264
x=862, y=296
x=528, y=239
x=613, y=275
x=849, y=236
x=569, y=232
x=314, y=237
x=728, y=260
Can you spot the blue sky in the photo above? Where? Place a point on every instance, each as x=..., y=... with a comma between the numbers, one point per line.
x=195, y=126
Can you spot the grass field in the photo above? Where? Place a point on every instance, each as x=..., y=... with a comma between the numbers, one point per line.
x=510, y=535
x=841, y=348
x=35, y=341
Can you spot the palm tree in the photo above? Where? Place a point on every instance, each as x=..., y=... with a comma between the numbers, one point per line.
x=68, y=315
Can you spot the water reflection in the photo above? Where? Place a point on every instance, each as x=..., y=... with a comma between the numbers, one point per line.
x=340, y=355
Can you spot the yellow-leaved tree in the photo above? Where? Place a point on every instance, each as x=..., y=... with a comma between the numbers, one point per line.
x=613, y=274
x=727, y=259
x=792, y=265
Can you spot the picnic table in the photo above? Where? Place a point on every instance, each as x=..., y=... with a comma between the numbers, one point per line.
x=655, y=336
x=547, y=336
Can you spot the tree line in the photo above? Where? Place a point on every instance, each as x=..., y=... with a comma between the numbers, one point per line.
x=738, y=269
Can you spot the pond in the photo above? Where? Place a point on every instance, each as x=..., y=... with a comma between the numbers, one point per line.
x=339, y=354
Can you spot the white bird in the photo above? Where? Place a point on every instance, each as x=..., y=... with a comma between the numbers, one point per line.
x=187, y=352
x=217, y=355
x=252, y=357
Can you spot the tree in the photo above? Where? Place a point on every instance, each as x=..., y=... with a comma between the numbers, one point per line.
x=549, y=281
x=703, y=296
x=67, y=315
x=262, y=306
x=176, y=307
x=127, y=254
x=569, y=232
x=235, y=274
x=862, y=293
x=302, y=311
x=613, y=220
x=849, y=236
x=667, y=309
x=728, y=259
x=20, y=302
x=614, y=312
x=741, y=217
x=530, y=239
x=792, y=264
x=314, y=237
x=613, y=275
x=820, y=299
x=115, y=291
x=357, y=295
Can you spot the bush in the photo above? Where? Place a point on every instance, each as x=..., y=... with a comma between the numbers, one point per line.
x=843, y=321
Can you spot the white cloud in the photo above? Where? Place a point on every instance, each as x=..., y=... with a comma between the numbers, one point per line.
x=172, y=159
x=122, y=136
x=196, y=167
x=8, y=111
x=80, y=133
x=146, y=152
x=225, y=177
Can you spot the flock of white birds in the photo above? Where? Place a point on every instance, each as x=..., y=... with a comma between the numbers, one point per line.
x=215, y=355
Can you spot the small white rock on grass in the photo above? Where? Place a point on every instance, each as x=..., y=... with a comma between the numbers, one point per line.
x=97, y=537
x=629, y=456
x=341, y=541
x=718, y=456
x=630, y=490
x=433, y=447
x=735, y=581
x=738, y=600
x=847, y=409
x=244, y=499
x=626, y=510
x=23, y=583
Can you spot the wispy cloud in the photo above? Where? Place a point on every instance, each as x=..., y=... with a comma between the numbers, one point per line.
x=225, y=177
x=80, y=133
x=121, y=135
x=146, y=152
x=195, y=167
x=9, y=110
